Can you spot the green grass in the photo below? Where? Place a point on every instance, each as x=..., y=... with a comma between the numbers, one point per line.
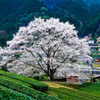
x=71, y=92
x=13, y=88
x=74, y=86
x=93, y=88
x=67, y=94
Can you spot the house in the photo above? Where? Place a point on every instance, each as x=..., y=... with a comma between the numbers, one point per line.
x=91, y=42
x=96, y=78
x=71, y=79
x=66, y=79
x=98, y=40
x=83, y=78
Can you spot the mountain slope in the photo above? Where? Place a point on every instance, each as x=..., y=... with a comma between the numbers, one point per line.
x=17, y=13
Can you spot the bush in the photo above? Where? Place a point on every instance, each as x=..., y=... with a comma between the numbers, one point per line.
x=16, y=86
x=16, y=81
x=46, y=78
x=36, y=84
x=41, y=78
x=8, y=94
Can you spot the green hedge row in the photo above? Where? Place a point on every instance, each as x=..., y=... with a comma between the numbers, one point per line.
x=5, y=81
x=17, y=81
x=36, y=84
x=8, y=94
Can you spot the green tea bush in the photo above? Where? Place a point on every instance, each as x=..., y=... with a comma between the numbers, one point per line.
x=8, y=94
x=36, y=84
x=4, y=81
x=17, y=81
x=39, y=78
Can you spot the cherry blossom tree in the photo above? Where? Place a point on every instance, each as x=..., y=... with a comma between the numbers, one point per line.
x=48, y=45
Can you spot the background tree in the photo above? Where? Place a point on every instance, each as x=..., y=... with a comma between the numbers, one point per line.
x=48, y=45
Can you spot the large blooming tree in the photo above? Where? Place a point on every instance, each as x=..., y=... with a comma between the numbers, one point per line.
x=48, y=45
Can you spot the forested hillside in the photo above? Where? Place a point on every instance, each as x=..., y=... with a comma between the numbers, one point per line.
x=16, y=13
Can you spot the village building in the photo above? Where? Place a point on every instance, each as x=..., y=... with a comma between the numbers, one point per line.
x=96, y=78
x=91, y=42
x=98, y=40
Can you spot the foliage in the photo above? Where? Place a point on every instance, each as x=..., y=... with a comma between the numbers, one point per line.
x=8, y=94
x=18, y=13
x=17, y=86
x=36, y=84
x=92, y=26
x=41, y=78
x=15, y=14
x=5, y=38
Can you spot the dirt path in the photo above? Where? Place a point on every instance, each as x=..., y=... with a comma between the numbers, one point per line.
x=55, y=85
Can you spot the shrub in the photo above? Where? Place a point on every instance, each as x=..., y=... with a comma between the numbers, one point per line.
x=36, y=84
x=39, y=78
x=42, y=78
x=16, y=81
x=8, y=94
x=4, y=81
x=46, y=78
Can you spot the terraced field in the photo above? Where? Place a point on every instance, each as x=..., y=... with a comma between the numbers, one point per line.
x=18, y=87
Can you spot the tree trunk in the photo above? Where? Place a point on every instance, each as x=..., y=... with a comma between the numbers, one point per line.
x=51, y=78
x=51, y=75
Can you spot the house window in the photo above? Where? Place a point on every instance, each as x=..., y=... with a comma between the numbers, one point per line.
x=70, y=78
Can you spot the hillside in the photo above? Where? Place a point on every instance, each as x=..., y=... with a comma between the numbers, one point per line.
x=17, y=13
x=93, y=88
x=14, y=86
x=92, y=27
x=67, y=93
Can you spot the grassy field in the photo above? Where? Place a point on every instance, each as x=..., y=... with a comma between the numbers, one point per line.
x=67, y=93
x=93, y=88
